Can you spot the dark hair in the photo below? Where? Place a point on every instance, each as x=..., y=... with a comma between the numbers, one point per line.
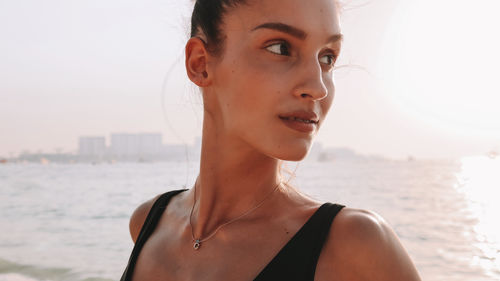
x=207, y=19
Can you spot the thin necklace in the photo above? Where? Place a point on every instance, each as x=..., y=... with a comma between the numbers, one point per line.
x=198, y=241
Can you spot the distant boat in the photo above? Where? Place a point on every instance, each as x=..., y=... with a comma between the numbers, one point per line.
x=3, y=161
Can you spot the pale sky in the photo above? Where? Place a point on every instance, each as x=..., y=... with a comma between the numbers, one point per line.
x=428, y=86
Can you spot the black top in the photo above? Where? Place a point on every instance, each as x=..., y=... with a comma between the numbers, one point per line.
x=295, y=261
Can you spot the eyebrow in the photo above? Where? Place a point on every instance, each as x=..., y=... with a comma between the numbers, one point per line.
x=285, y=28
x=293, y=31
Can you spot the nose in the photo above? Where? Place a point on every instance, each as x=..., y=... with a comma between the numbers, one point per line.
x=311, y=84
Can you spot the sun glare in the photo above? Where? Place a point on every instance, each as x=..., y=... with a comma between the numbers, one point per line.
x=479, y=181
x=440, y=64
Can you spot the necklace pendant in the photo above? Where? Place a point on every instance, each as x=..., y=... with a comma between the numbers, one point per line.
x=197, y=244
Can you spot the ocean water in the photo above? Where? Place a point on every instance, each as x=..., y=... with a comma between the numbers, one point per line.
x=70, y=221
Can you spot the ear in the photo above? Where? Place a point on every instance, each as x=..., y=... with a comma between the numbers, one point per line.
x=196, y=62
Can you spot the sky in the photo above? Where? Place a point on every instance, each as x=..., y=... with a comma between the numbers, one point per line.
x=421, y=76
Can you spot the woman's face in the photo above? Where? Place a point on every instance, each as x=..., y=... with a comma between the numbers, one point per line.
x=277, y=59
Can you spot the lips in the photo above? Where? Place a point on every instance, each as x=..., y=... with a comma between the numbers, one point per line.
x=301, y=121
x=301, y=115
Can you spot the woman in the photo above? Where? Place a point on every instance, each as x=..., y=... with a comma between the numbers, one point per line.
x=264, y=68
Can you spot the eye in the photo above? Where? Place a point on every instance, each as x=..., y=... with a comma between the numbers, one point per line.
x=279, y=48
x=328, y=59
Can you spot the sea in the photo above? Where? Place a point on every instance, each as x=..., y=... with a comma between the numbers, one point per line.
x=63, y=222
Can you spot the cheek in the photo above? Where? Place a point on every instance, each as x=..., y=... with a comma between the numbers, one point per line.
x=254, y=81
x=248, y=92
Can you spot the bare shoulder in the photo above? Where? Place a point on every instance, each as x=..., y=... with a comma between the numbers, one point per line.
x=139, y=217
x=362, y=246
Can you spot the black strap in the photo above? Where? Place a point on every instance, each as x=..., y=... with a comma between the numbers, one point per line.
x=147, y=229
x=298, y=259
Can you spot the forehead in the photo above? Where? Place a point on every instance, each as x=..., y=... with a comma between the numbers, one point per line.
x=315, y=17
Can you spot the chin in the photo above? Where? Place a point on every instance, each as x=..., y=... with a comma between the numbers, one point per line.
x=291, y=153
x=295, y=158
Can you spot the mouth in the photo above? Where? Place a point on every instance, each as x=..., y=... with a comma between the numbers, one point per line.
x=303, y=116
x=303, y=121
x=292, y=118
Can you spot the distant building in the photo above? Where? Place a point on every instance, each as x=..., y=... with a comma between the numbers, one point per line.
x=331, y=153
x=92, y=146
x=142, y=145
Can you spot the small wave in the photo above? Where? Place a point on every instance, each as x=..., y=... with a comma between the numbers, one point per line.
x=15, y=277
x=11, y=271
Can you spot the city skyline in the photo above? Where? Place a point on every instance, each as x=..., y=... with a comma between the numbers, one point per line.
x=149, y=147
x=74, y=149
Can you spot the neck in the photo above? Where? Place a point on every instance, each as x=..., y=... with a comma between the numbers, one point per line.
x=233, y=179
